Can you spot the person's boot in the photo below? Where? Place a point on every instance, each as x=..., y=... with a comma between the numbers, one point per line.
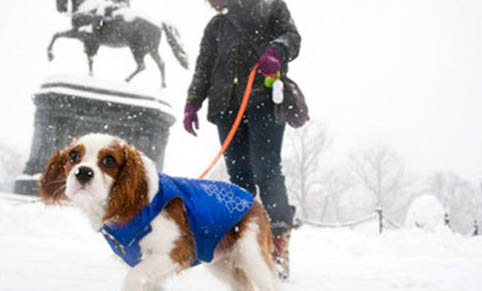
x=281, y=255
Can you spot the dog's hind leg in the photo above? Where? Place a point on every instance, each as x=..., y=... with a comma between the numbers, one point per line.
x=160, y=64
x=226, y=271
x=255, y=258
x=248, y=263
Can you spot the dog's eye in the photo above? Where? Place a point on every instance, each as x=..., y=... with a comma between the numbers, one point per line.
x=73, y=156
x=108, y=161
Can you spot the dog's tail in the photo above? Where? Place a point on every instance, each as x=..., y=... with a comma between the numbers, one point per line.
x=174, y=40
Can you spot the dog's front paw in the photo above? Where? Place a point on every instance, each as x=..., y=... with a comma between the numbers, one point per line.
x=139, y=284
x=153, y=287
x=132, y=282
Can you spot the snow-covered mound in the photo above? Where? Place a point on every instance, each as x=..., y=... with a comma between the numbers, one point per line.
x=426, y=212
x=53, y=248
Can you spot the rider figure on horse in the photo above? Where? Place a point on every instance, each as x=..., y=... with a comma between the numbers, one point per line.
x=96, y=12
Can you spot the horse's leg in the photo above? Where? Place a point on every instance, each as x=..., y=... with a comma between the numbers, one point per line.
x=90, y=60
x=160, y=63
x=141, y=66
x=69, y=34
x=90, y=48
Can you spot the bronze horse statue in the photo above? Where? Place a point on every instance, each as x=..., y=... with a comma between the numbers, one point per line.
x=113, y=30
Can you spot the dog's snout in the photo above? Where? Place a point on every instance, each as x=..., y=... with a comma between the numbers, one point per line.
x=84, y=175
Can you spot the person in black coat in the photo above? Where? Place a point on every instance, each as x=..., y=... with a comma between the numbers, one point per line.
x=227, y=54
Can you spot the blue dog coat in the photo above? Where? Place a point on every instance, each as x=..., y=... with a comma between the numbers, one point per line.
x=212, y=209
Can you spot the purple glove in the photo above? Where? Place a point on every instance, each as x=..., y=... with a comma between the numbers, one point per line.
x=190, y=118
x=269, y=62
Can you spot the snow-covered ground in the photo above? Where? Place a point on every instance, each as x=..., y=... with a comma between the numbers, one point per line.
x=53, y=248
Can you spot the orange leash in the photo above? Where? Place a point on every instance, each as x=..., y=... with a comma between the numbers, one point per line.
x=236, y=123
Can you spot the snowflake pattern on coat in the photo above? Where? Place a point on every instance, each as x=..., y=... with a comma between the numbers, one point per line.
x=226, y=196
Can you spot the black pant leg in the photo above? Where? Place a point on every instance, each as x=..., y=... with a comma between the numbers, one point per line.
x=265, y=142
x=254, y=158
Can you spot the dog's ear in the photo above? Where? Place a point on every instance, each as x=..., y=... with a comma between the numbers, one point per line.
x=53, y=180
x=129, y=192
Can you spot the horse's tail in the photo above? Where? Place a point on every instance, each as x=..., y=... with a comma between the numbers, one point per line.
x=174, y=40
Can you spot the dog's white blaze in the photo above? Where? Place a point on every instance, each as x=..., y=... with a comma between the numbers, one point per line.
x=93, y=197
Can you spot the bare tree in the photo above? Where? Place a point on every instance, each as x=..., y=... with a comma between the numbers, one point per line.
x=460, y=199
x=380, y=171
x=445, y=185
x=334, y=183
x=304, y=149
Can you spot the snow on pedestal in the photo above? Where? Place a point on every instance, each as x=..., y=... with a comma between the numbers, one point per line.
x=68, y=107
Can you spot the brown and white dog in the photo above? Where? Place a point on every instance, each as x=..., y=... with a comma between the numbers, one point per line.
x=111, y=181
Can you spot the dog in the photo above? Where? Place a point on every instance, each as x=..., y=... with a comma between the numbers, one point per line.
x=160, y=225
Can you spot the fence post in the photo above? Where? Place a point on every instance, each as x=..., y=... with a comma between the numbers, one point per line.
x=379, y=212
x=447, y=219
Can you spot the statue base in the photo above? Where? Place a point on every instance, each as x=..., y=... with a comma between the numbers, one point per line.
x=68, y=107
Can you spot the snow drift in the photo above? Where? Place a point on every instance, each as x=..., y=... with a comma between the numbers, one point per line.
x=53, y=248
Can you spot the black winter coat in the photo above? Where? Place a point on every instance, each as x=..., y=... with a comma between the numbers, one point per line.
x=225, y=60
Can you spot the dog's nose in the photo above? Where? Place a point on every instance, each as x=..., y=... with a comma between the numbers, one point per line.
x=84, y=175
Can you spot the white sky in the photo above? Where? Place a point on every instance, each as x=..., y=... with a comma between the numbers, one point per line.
x=404, y=73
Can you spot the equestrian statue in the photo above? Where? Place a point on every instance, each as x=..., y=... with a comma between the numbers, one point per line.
x=111, y=23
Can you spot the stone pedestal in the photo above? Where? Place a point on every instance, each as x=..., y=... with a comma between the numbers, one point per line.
x=68, y=107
